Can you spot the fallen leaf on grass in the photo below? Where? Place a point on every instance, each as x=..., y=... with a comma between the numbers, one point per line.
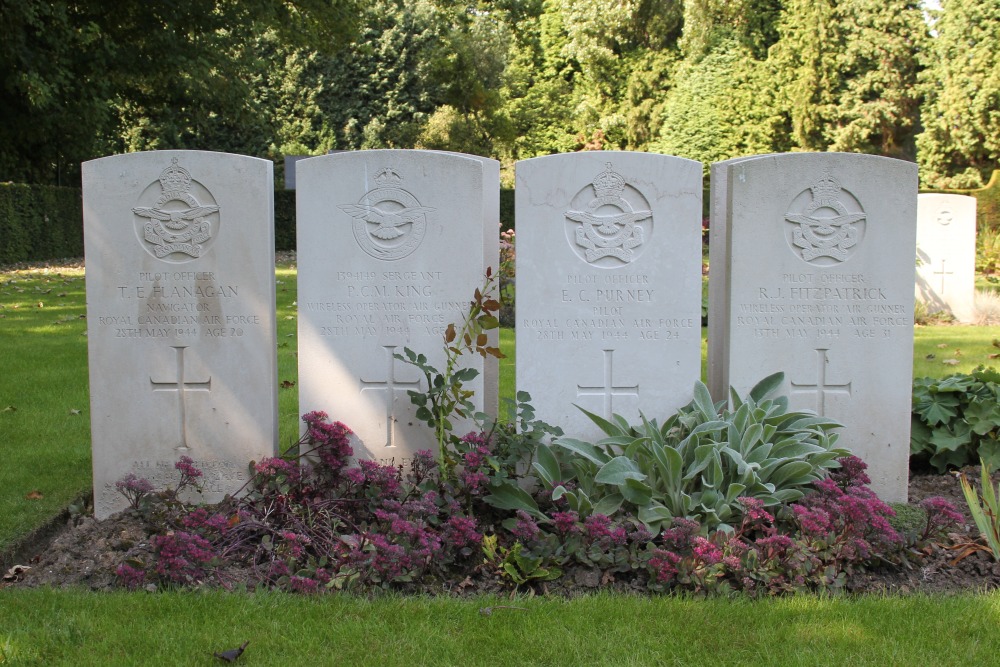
x=39, y=305
x=232, y=654
x=942, y=345
x=74, y=412
x=16, y=571
x=993, y=356
x=9, y=408
x=34, y=495
x=287, y=384
x=950, y=362
x=930, y=356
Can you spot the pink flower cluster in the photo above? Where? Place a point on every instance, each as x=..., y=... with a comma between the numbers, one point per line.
x=942, y=516
x=383, y=479
x=331, y=441
x=134, y=488
x=182, y=557
x=199, y=519
x=598, y=528
x=132, y=577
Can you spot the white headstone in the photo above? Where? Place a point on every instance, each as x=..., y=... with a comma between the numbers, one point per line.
x=718, y=270
x=391, y=248
x=946, y=254
x=608, y=285
x=180, y=310
x=821, y=255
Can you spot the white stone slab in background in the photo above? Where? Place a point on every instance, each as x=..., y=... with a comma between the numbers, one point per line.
x=608, y=285
x=821, y=250
x=180, y=309
x=718, y=269
x=390, y=251
x=946, y=248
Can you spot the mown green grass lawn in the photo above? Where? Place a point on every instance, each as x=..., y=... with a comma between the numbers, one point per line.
x=44, y=433
x=45, y=627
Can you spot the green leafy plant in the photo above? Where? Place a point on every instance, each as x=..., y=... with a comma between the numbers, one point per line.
x=518, y=566
x=698, y=463
x=956, y=419
x=988, y=251
x=985, y=511
x=446, y=396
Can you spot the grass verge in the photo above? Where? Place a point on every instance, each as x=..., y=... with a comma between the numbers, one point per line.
x=176, y=628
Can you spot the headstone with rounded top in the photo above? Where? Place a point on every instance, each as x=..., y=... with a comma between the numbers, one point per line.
x=392, y=245
x=946, y=254
x=820, y=250
x=608, y=286
x=181, y=318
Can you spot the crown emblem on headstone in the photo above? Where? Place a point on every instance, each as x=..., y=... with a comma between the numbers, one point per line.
x=603, y=234
x=389, y=223
x=388, y=177
x=608, y=183
x=826, y=188
x=175, y=178
x=177, y=222
x=824, y=227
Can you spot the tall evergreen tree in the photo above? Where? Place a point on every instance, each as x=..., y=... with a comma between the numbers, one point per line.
x=960, y=144
x=79, y=79
x=847, y=73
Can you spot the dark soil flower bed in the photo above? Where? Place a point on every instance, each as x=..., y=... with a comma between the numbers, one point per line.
x=91, y=554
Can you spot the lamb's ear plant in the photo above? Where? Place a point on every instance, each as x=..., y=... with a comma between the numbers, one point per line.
x=985, y=512
x=698, y=463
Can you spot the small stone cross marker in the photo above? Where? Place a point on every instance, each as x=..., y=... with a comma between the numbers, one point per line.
x=181, y=386
x=820, y=387
x=390, y=385
x=608, y=391
x=943, y=273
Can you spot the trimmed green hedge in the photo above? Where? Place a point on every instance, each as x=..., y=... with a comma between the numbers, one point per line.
x=284, y=220
x=506, y=208
x=39, y=222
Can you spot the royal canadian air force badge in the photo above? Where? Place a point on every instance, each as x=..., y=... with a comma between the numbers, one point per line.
x=830, y=226
x=609, y=224
x=389, y=222
x=177, y=222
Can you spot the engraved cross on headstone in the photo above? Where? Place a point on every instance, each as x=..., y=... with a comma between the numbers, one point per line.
x=390, y=385
x=820, y=387
x=181, y=386
x=943, y=273
x=608, y=390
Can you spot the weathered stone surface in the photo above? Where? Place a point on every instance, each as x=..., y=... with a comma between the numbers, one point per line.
x=180, y=308
x=608, y=285
x=820, y=250
x=946, y=254
x=391, y=247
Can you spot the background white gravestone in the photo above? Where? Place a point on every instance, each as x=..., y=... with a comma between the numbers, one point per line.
x=491, y=258
x=821, y=250
x=608, y=285
x=946, y=248
x=718, y=268
x=390, y=250
x=180, y=311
